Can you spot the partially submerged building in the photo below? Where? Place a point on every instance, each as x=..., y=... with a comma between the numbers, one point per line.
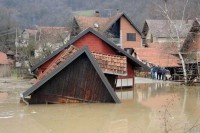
x=86, y=69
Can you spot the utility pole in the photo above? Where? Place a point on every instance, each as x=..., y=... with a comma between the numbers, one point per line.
x=16, y=42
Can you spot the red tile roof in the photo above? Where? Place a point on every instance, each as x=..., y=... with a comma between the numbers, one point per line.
x=3, y=59
x=63, y=56
x=167, y=47
x=110, y=64
x=158, y=56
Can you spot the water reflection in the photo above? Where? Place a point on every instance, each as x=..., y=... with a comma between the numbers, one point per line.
x=141, y=110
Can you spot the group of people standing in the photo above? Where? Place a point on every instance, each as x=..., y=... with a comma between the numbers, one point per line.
x=158, y=72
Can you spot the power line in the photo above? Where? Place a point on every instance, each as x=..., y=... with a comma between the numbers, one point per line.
x=6, y=31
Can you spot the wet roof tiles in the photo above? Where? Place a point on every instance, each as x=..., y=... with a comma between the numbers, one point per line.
x=158, y=57
x=110, y=64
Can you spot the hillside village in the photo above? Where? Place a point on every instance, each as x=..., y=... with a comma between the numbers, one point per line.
x=155, y=45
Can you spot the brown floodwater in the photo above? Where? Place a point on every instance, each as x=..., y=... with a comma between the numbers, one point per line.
x=150, y=108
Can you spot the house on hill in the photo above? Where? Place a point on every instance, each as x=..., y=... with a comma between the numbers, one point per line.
x=45, y=38
x=111, y=60
x=159, y=31
x=118, y=28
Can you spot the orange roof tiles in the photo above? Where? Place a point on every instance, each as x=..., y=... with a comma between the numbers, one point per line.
x=63, y=56
x=3, y=59
x=167, y=47
x=110, y=64
x=157, y=56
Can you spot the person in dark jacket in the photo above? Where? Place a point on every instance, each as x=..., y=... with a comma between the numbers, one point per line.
x=159, y=73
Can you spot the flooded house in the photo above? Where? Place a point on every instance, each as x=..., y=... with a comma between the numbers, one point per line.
x=161, y=47
x=191, y=51
x=160, y=55
x=86, y=74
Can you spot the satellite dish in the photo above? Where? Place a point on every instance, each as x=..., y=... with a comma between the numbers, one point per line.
x=96, y=25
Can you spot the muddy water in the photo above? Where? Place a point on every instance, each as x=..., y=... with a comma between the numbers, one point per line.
x=152, y=108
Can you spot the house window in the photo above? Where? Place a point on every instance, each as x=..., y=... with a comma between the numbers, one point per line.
x=131, y=36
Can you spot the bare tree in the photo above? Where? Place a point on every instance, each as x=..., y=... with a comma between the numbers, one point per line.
x=7, y=29
x=169, y=15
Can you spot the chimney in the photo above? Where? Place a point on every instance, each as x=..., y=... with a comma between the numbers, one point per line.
x=117, y=11
x=97, y=14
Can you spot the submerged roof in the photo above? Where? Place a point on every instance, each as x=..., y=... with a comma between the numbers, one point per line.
x=130, y=58
x=111, y=64
x=82, y=51
x=104, y=23
x=163, y=28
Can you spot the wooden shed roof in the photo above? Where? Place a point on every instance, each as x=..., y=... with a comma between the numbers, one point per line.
x=82, y=51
